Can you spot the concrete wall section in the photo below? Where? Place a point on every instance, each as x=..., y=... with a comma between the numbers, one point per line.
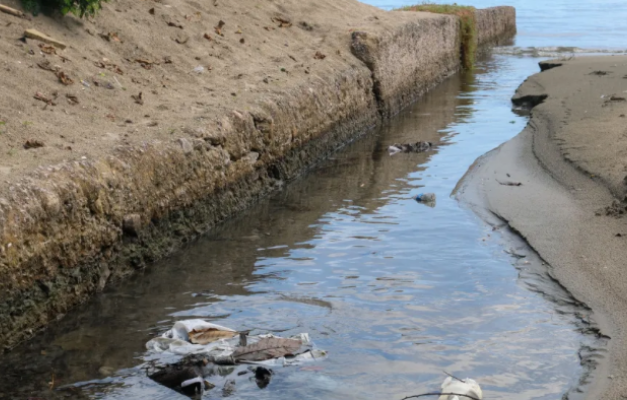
x=410, y=59
x=68, y=230
x=495, y=25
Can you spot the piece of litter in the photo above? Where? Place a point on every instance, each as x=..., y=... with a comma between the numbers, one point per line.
x=204, y=348
x=425, y=197
x=36, y=35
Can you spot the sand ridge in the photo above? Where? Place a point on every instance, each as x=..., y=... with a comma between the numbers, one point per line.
x=570, y=162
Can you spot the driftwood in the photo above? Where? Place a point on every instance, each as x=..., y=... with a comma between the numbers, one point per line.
x=42, y=37
x=13, y=11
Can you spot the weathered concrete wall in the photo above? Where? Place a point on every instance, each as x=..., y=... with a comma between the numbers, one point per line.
x=495, y=25
x=67, y=231
x=409, y=60
x=417, y=55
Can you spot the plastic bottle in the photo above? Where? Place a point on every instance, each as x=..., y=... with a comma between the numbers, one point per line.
x=426, y=197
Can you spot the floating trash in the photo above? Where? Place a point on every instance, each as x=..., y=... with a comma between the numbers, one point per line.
x=206, y=350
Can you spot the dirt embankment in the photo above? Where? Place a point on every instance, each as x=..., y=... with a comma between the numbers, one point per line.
x=571, y=162
x=161, y=119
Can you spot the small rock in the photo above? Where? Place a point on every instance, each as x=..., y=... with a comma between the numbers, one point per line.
x=186, y=145
x=252, y=157
x=51, y=202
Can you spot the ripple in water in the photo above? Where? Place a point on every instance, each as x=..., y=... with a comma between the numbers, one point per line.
x=394, y=290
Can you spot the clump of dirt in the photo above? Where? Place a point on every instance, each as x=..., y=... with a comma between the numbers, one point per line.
x=617, y=209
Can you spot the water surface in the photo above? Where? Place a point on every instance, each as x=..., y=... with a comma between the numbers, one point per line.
x=396, y=291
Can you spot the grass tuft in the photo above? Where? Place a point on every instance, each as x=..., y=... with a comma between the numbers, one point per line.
x=80, y=8
x=467, y=26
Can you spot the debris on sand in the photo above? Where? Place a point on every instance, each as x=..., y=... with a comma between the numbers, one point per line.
x=40, y=96
x=617, y=210
x=600, y=73
x=64, y=78
x=46, y=65
x=145, y=64
x=111, y=37
x=283, y=22
x=47, y=49
x=219, y=27
x=33, y=144
x=509, y=183
x=42, y=37
x=106, y=64
x=612, y=98
x=139, y=99
x=72, y=99
x=14, y=12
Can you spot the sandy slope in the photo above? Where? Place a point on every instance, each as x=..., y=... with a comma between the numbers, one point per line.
x=571, y=161
x=153, y=48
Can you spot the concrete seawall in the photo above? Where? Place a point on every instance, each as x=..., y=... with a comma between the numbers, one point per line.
x=69, y=229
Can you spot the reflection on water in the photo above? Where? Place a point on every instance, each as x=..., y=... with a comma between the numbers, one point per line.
x=394, y=290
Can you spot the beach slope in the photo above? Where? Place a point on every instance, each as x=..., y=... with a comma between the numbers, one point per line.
x=560, y=184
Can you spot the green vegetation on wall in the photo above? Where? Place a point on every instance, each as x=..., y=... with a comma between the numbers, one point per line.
x=77, y=7
x=467, y=26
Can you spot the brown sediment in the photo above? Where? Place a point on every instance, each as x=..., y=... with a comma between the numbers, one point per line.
x=571, y=161
x=121, y=182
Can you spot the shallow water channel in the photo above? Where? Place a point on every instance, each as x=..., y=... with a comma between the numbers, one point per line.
x=394, y=290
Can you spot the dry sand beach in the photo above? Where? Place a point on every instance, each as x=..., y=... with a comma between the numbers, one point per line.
x=559, y=184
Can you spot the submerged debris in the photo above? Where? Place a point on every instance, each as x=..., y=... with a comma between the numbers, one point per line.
x=426, y=198
x=208, y=350
x=417, y=147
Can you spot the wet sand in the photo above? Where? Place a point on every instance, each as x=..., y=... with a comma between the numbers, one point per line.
x=570, y=163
